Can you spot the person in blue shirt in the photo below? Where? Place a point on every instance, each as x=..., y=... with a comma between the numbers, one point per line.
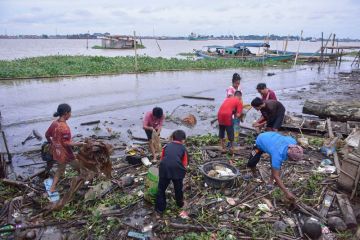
x=279, y=148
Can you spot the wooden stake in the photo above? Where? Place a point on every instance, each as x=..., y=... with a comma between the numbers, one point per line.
x=136, y=62
x=297, y=52
x=356, y=183
x=286, y=44
x=322, y=49
x=333, y=43
x=331, y=135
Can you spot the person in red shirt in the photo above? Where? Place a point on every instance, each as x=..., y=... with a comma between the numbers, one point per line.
x=230, y=106
x=153, y=121
x=59, y=137
x=266, y=93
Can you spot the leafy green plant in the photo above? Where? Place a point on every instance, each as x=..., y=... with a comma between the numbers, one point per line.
x=66, y=213
x=316, y=141
x=277, y=194
x=314, y=181
x=202, y=140
x=344, y=235
x=63, y=65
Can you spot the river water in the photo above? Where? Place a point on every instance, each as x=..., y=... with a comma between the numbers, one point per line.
x=120, y=101
x=20, y=48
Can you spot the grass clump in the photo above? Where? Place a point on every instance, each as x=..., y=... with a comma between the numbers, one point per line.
x=203, y=140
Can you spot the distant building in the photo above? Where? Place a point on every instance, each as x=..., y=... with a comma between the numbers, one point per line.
x=118, y=42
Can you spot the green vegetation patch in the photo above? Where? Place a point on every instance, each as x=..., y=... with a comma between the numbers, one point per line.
x=53, y=66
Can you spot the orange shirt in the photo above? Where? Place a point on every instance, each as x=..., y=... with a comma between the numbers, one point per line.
x=230, y=106
x=59, y=136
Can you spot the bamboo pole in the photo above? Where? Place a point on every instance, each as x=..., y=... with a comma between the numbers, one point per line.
x=87, y=40
x=136, y=62
x=333, y=43
x=297, y=52
x=322, y=51
x=286, y=44
x=322, y=46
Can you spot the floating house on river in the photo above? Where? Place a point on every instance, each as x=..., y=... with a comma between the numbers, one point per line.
x=118, y=42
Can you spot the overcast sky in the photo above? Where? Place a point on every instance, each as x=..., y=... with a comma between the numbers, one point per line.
x=179, y=18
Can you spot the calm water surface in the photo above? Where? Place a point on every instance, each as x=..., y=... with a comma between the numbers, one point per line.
x=20, y=48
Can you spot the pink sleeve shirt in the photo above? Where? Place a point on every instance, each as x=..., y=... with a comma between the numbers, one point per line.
x=230, y=91
x=151, y=121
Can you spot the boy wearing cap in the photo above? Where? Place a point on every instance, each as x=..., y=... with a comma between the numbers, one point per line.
x=279, y=148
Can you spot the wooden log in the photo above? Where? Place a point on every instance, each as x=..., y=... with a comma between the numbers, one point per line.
x=90, y=123
x=44, y=225
x=190, y=227
x=19, y=184
x=14, y=182
x=200, y=98
x=346, y=210
x=336, y=110
x=310, y=211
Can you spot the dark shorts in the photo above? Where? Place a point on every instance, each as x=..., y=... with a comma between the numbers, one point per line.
x=276, y=122
x=229, y=130
x=148, y=134
x=254, y=157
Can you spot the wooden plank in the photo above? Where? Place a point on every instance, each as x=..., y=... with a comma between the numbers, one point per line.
x=4, y=146
x=90, y=123
x=343, y=47
x=3, y=166
x=348, y=174
x=354, y=157
x=356, y=183
x=327, y=202
x=331, y=135
x=200, y=98
x=346, y=210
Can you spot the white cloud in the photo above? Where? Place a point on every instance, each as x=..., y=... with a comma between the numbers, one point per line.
x=182, y=17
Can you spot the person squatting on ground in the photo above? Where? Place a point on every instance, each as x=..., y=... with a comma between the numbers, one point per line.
x=279, y=148
x=231, y=106
x=230, y=91
x=272, y=114
x=59, y=137
x=266, y=93
x=153, y=121
x=174, y=160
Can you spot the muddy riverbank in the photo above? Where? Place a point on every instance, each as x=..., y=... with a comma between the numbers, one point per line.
x=122, y=99
x=119, y=102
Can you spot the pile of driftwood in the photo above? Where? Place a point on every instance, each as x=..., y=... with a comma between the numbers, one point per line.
x=247, y=209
